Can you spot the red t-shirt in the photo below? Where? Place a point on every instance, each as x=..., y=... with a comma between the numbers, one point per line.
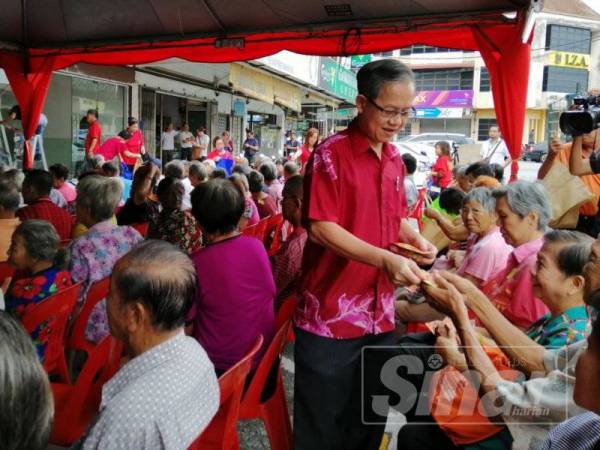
x=134, y=145
x=94, y=131
x=443, y=167
x=305, y=155
x=346, y=183
x=112, y=147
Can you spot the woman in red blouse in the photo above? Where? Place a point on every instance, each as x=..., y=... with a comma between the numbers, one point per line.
x=441, y=172
x=135, y=143
x=310, y=142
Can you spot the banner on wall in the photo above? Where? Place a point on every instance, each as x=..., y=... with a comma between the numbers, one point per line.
x=444, y=99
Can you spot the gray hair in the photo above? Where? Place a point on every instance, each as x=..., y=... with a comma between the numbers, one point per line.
x=139, y=276
x=484, y=197
x=198, y=170
x=100, y=195
x=523, y=197
x=460, y=171
x=96, y=162
x=372, y=76
x=15, y=176
x=174, y=169
x=25, y=396
x=10, y=199
x=42, y=242
x=269, y=171
x=575, y=252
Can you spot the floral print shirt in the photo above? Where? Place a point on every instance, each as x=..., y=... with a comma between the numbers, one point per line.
x=177, y=227
x=93, y=257
x=25, y=293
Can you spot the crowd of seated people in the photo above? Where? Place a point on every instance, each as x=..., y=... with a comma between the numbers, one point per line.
x=513, y=295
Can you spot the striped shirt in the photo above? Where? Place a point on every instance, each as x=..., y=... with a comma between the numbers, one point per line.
x=582, y=432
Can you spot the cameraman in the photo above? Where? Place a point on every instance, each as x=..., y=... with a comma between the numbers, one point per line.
x=575, y=156
x=581, y=164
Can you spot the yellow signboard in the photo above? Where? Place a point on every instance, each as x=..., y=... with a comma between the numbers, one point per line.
x=566, y=59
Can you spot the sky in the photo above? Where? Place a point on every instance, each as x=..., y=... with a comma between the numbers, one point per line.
x=595, y=4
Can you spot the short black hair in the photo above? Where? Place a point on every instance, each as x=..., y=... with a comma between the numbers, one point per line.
x=479, y=168
x=40, y=180
x=410, y=162
x=218, y=206
x=255, y=180
x=294, y=186
x=59, y=171
x=452, y=200
x=167, y=294
x=93, y=112
x=372, y=76
x=124, y=134
x=498, y=171
x=110, y=169
x=16, y=110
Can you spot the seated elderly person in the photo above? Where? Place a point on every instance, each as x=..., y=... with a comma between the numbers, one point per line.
x=177, y=169
x=166, y=395
x=36, y=194
x=560, y=283
x=485, y=256
x=40, y=262
x=234, y=305
x=173, y=224
x=139, y=208
x=197, y=173
x=60, y=177
x=250, y=216
x=274, y=186
x=25, y=394
x=264, y=202
x=9, y=203
x=94, y=254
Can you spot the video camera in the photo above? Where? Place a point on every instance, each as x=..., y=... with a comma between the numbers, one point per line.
x=583, y=117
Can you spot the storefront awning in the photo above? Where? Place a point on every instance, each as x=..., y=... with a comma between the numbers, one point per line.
x=53, y=35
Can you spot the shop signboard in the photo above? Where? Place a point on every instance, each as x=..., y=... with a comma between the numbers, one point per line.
x=444, y=99
x=357, y=61
x=439, y=113
x=239, y=108
x=570, y=60
x=337, y=79
x=302, y=67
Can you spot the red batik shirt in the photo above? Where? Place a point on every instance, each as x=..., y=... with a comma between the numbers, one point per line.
x=44, y=209
x=346, y=183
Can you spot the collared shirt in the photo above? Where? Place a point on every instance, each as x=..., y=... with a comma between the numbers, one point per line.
x=348, y=184
x=162, y=399
x=287, y=263
x=581, y=432
x=570, y=326
x=485, y=256
x=203, y=141
x=511, y=290
x=93, y=257
x=497, y=151
x=167, y=140
x=44, y=209
x=94, y=132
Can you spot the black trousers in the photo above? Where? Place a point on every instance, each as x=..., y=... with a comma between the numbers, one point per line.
x=167, y=156
x=328, y=391
x=186, y=153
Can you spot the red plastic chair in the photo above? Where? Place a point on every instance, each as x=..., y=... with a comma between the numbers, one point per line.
x=56, y=310
x=6, y=271
x=75, y=405
x=274, y=411
x=76, y=339
x=142, y=228
x=273, y=233
x=221, y=432
x=286, y=311
x=261, y=229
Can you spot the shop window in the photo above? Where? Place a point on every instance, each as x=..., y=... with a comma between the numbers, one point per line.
x=568, y=39
x=484, y=81
x=444, y=80
x=565, y=79
x=416, y=49
x=483, y=128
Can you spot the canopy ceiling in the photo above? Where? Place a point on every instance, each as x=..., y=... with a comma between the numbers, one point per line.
x=40, y=36
x=61, y=23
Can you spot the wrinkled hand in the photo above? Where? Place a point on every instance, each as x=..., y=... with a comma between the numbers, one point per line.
x=456, y=257
x=446, y=298
x=464, y=286
x=402, y=271
x=424, y=245
x=446, y=345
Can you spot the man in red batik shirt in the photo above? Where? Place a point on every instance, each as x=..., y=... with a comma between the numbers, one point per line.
x=354, y=208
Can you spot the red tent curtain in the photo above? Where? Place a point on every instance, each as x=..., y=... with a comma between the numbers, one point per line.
x=506, y=57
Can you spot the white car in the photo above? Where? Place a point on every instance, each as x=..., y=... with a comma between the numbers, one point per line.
x=425, y=156
x=432, y=138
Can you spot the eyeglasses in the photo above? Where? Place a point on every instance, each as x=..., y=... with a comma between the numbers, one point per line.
x=392, y=114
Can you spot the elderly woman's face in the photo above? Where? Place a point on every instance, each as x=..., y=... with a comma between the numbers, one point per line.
x=477, y=219
x=549, y=282
x=513, y=227
x=17, y=253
